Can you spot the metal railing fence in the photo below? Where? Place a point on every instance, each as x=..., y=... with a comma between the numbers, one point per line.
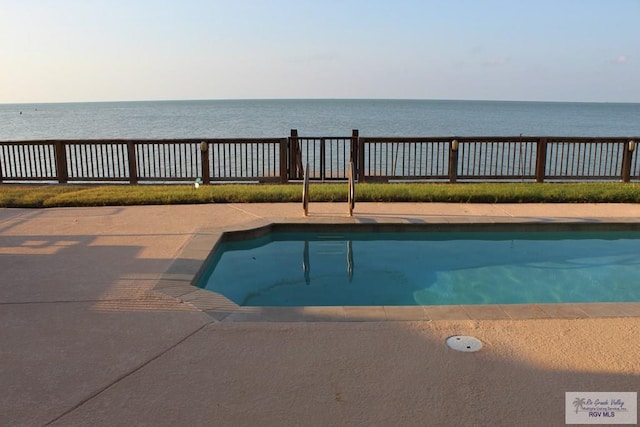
x=449, y=159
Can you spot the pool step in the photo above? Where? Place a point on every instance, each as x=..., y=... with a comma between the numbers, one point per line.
x=331, y=248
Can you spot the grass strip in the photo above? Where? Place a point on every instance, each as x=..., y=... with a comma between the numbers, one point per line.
x=59, y=195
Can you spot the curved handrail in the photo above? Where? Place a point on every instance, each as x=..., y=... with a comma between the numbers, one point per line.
x=351, y=199
x=305, y=190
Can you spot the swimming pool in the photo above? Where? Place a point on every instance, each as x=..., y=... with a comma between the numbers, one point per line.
x=345, y=266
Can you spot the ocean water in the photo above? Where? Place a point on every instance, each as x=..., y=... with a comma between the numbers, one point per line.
x=320, y=117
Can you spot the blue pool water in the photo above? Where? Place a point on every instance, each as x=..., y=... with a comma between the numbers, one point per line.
x=427, y=268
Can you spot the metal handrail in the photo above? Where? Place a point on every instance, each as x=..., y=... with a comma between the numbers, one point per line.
x=351, y=198
x=305, y=191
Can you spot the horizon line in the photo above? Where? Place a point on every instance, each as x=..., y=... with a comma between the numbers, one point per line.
x=315, y=99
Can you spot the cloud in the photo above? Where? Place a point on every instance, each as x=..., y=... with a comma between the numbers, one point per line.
x=621, y=59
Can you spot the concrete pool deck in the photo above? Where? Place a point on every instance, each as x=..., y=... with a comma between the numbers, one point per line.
x=91, y=333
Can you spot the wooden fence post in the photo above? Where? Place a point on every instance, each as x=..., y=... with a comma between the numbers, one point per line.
x=133, y=166
x=453, y=161
x=323, y=161
x=541, y=159
x=61, y=162
x=360, y=164
x=204, y=173
x=284, y=177
x=627, y=157
x=354, y=149
x=294, y=155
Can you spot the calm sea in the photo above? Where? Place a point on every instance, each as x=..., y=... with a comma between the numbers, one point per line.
x=275, y=118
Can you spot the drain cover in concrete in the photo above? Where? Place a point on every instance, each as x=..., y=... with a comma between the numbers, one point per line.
x=464, y=343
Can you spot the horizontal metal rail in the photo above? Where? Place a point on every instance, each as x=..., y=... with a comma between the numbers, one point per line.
x=247, y=159
x=28, y=161
x=328, y=156
x=98, y=161
x=404, y=158
x=585, y=158
x=497, y=158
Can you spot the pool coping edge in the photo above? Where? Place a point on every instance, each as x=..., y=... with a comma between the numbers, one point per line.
x=177, y=281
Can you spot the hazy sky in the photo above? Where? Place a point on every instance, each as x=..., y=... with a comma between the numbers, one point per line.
x=547, y=50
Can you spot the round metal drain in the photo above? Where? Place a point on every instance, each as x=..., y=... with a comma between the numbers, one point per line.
x=464, y=343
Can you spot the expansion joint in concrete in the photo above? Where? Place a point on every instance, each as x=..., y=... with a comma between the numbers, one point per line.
x=126, y=375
